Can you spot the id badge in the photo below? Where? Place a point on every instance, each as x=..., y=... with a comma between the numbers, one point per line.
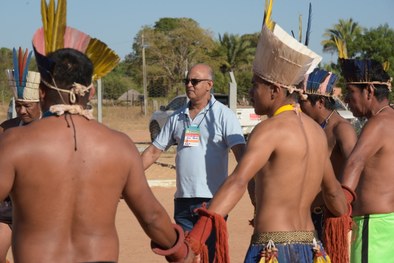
x=192, y=136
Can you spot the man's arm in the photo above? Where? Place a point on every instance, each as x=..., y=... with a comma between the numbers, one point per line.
x=346, y=138
x=151, y=215
x=368, y=144
x=7, y=172
x=238, y=150
x=150, y=155
x=253, y=159
x=333, y=195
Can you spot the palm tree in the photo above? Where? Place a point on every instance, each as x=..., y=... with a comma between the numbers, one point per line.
x=237, y=50
x=341, y=37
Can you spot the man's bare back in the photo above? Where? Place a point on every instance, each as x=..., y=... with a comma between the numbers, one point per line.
x=66, y=173
x=65, y=200
x=293, y=174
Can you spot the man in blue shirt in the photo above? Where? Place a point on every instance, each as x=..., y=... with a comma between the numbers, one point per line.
x=204, y=131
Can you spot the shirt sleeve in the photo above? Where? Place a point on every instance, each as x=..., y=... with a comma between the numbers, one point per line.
x=164, y=139
x=232, y=128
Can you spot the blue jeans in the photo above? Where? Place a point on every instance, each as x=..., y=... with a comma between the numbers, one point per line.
x=185, y=216
x=287, y=253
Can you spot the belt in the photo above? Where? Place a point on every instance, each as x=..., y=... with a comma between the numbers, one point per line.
x=284, y=237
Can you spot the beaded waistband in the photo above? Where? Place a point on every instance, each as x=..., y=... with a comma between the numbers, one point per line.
x=284, y=237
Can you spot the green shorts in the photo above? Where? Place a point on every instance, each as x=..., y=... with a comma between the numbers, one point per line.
x=372, y=238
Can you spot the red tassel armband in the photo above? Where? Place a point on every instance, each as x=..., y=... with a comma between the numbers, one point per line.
x=349, y=194
x=178, y=252
x=201, y=231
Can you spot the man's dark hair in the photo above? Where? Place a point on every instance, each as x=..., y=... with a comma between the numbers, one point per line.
x=381, y=90
x=69, y=66
x=329, y=102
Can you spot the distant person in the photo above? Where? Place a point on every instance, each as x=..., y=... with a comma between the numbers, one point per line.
x=319, y=104
x=369, y=170
x=24, y=85
x=284, y=156
x=204, y=131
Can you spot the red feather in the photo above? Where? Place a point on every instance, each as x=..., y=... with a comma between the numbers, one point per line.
x=21, y=75
x=20, y=66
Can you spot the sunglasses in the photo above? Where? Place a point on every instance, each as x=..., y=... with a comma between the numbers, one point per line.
x=194, y=81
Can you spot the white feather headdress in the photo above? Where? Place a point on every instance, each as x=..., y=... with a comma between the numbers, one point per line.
x=280, y=58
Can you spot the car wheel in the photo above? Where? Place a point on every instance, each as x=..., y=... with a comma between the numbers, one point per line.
x=154, y=130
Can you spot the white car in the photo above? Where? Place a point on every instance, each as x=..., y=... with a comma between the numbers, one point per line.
x=160, y=117
x=343, y=110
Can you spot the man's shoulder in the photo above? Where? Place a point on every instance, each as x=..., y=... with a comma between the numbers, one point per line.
x=7, y=124
x=342, y=125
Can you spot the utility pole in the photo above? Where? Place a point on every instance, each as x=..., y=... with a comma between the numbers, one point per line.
x=233, y=92
x=144, y=75
x=99, y=101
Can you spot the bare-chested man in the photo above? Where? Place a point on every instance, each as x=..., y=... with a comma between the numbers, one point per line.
x=341, y=136
x=66, y=180
x=27, y=105
x=284, y=154
x=370, y=170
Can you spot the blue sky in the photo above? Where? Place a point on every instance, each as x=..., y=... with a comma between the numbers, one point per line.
x=116, y=22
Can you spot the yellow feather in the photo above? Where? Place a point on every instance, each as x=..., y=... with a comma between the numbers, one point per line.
x=386, y=66
x=44, y=17
x=49, y=33
x=54, y=23
x=103, y=58
x=60, y=24
x=268, y=15
x=341, y=46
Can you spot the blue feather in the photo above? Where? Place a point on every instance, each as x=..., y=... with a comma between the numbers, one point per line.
x=331, y=82
x=16, y=68
x=26, y=69
x=308, y=29
x=315, y=79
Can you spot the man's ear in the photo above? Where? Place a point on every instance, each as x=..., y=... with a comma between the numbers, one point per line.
x=210, y=85
x=92, y=92
x=275, y=88
x=321, y=102
x=370, y=91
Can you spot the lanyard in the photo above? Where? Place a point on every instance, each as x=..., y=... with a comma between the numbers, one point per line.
x=205, y=114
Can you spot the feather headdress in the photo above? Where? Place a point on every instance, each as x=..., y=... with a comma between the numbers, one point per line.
x=364, y=71
x=23, y=83
x=280, y=58
x=320, y=82
x=55, y=35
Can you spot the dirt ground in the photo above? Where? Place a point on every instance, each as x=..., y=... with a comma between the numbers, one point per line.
x=135, y=245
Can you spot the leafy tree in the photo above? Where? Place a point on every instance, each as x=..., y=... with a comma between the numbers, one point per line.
x=374, y=43
x=116, y=83
x=5, y=63
x=345, y=31
x=237, y=50
x=237, y=53
x=171, y=46
x=377, y=43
